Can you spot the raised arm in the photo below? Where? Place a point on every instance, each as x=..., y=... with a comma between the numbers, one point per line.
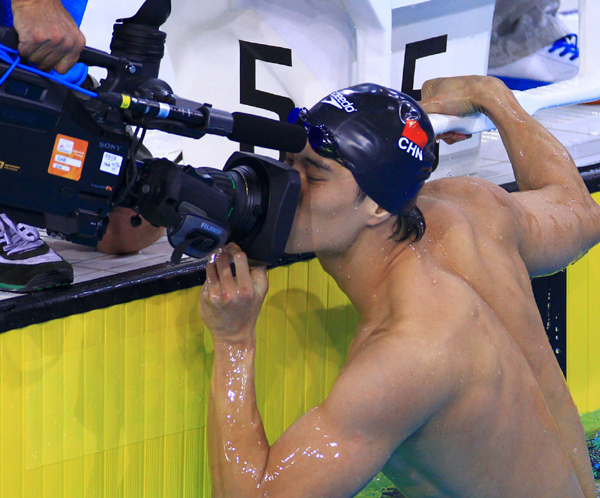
x=331, y=451
x=555, y=219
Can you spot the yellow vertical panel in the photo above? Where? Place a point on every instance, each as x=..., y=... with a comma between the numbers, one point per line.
x=73, y=395
x=154, y=393
x=115, y=401
x=12, y=414
x=33, y=413
x=94, y=476
x=206, y=482
x=95, y=326
x=113, y=473
x=173, y=465
x=134, y=470
x=156, y=312
x=183, y=308
x=296, y=345
x=577, y=333
x=134, y=389
x=135, y=318
x=93, y=399
x=274, y=353
x=34, y=483
x=52, y=400
x=53, y=337
x=260, y=360
x=316, y=324
x=52, y=409
x=114, y=325
x=33, y=342
x=594, y=330
x=74, y=478
x=154, y=450
x=73, y=332
x=198, y=350
x=174, y=378
x=583, y=329
x=193, y=463
x=54, y=476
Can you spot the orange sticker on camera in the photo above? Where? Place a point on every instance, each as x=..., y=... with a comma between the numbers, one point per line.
x=68, y=157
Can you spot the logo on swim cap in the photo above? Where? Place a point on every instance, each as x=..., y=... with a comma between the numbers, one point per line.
x=413, y=139
x=338, y=100
x=408, y=112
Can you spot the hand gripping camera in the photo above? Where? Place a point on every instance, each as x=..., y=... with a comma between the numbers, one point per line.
x=69, y=156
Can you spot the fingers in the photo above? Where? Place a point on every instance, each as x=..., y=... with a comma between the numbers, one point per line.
x=246, y=280
x=212, y=279
x=60, y=55
x=67, y=61
x=451, y=137
x=428, y=88
x=260, y=280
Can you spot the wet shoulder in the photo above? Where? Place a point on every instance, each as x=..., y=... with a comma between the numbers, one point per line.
x=475, y=198
x=472, y=221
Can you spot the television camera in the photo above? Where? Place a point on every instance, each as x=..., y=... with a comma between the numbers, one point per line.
x=70, y=155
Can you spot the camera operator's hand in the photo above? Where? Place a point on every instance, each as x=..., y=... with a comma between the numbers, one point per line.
x=230, y=305
x=48, y=36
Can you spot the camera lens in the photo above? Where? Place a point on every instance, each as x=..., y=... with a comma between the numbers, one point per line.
x=247, y=196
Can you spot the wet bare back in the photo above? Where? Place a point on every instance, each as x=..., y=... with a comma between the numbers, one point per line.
x=496, y=436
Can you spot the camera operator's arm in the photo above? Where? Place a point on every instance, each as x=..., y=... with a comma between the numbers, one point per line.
x=48, y=36
x=122, y=238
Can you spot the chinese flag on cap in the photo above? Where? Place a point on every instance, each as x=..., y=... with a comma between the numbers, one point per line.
x=414, y=132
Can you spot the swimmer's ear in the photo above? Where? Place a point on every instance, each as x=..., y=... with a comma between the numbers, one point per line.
x=378, y=215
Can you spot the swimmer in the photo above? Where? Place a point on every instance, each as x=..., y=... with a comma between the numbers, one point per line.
x=450, y=385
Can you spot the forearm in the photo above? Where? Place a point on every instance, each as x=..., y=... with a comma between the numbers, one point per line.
x=237, y=442
x=537, y=157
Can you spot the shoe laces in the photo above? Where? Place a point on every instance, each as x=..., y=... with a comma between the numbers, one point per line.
x=18, y=239
x=567, y=45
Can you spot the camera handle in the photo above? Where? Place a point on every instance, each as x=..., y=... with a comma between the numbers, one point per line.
x=196, y=234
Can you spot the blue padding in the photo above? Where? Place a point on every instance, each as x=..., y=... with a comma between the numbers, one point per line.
x=75, y=75
x=521, y=84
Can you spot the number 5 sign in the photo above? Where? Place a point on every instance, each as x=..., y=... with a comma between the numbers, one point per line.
x=265, y=56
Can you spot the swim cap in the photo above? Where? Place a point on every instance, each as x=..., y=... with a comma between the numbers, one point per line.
x=382, y=136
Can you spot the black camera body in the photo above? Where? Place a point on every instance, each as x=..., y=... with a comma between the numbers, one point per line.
x=68, y=159
x=59, y=165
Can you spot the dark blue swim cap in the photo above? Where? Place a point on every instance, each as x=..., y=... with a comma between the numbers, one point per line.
x=383, y=137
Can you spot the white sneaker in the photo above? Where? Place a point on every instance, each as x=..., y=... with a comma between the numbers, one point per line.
x=27, y=263
x=556, y=62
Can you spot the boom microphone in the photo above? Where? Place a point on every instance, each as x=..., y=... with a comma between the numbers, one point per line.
x=264, y=132
x=238, y=126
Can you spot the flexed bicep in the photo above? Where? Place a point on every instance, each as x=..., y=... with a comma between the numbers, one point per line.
x=378, y=401
x=554, y=231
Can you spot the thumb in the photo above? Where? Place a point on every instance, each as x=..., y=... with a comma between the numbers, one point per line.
x=259, y=279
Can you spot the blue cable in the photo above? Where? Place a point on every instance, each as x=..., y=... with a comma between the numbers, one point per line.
x=6, y=74
x=4, y=55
